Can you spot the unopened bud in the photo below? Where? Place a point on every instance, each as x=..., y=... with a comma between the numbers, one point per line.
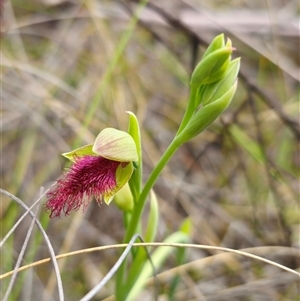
x=214, y=91
x=123, y=199
x=205, y=116
x=212, y=68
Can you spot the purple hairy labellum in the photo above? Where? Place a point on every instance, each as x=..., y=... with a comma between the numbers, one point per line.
x=89, y=176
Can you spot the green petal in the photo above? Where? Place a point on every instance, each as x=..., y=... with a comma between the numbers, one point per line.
x=123, y=174
x=115, y=145
x=86, y=150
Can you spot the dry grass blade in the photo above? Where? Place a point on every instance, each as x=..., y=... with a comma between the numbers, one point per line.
x=157, y=244
x=21, y=255
x=117, y=265
x=51, y=251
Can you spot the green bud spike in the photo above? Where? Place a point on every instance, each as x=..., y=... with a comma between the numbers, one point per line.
x=115, y=145
x=212, y=69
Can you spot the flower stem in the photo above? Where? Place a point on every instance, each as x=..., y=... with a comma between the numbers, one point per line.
x=139, y=205
x=138, y=209
x=192, y=105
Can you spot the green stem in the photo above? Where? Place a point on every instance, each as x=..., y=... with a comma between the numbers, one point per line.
x=121, y=288
x=192, y=105
x=138, y=209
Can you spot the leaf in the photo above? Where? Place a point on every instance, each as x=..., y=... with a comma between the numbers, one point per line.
x=158, y=258
x=247, y=143
x=152, y=219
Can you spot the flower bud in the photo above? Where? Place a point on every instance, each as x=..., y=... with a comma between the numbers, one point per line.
x=214, y=91
x=123, y=199
x=213, y=65
x=216, y=43
x=205, y=116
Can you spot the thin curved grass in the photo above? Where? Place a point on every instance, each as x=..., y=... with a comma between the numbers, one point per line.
x=158, y=244
x=21, y=256
x=116, y=266
x=49, y=245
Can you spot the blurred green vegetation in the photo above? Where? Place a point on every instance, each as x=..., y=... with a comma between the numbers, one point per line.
x=238, y=181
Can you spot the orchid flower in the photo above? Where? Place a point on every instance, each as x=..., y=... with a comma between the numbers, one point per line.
x=99, y=170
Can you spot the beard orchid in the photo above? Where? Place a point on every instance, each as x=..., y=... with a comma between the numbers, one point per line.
x=99, y=170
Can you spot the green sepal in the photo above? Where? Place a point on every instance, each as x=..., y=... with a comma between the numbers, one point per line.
x=86, y=150
x=115, y=145
x=135, y=181
x=134, y=132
